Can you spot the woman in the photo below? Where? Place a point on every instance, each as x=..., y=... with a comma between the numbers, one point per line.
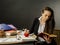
x=44, y=23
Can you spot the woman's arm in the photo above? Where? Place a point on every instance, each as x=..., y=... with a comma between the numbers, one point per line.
x=33, y=25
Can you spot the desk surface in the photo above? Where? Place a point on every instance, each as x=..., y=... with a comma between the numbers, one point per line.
x=13, y=40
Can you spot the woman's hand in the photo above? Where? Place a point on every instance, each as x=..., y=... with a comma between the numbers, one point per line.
x=47, y=39
x=43, y=19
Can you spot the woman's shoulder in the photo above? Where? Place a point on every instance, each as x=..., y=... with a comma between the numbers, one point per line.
x=36, y=18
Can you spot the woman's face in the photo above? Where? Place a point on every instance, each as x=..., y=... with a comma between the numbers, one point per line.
x=46, y=14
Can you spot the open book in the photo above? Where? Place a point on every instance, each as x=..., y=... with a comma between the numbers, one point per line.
x=46, y=34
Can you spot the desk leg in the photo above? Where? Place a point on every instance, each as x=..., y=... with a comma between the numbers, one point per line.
x=34, y=43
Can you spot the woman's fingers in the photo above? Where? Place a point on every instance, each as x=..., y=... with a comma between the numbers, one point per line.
x=47, y=39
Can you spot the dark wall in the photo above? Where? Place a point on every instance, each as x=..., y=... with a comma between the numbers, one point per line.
x=21, y=13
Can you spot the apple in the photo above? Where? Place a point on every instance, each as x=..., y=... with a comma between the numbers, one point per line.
x=26, y=33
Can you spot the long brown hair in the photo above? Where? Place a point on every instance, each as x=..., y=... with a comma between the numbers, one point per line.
x=50, y=23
